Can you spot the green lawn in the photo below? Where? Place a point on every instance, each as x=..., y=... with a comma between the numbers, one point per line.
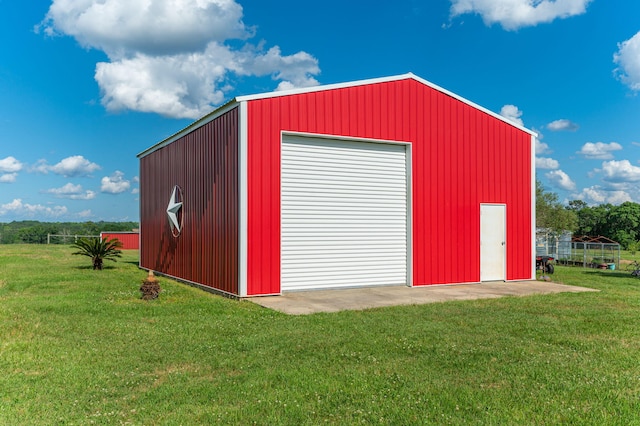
x=78, y=346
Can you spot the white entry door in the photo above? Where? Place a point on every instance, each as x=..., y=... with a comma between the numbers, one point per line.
x=493, y=242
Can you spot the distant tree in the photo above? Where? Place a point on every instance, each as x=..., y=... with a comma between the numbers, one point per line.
x=36, y=234
x=624, y=222
x=98, y=249
x=594, y=220
x=91, y=228
x=551, y=214
x=619, y=223
x=576, y=205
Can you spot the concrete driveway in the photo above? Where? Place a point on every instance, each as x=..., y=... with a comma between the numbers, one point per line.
x=309, y=302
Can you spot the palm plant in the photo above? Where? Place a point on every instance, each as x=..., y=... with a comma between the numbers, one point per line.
x=98, y=249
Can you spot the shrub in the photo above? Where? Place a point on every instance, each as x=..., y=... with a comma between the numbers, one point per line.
x=98, y=249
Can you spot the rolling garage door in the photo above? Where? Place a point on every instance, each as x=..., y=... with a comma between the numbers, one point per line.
x=344, y=213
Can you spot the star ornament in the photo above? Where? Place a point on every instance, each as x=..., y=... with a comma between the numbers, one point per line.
x=173, y=211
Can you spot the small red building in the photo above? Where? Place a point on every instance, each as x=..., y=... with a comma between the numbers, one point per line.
x=389, y=181
x=129, y=240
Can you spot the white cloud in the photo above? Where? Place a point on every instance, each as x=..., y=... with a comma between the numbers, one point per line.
x=20, y=209
x=599, y=150
x=8, y=177
x=187, y=85
x=620, y=171
x=294, y=71
x=598, y=195
x=511, y=112
x=620, y=183
x=73, y=192
x=172, y=57
x=541, y=147
x=618, y=197
x=594, y=194
x=628, y=60
x=159, y=27
x=73, y=166
x=562, y=124
x=546, y=163
x=514, y=14
x=115, y=183
x=10, y=165
x=76, y=165
x=135, y=180
x=9, y=168
x=40, y=166
x=561, y=180
x=181, y=86
x=85, y=214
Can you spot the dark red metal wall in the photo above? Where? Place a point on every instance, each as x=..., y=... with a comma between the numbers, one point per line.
x=129, y=240
x=461, y=157
x=204, y=164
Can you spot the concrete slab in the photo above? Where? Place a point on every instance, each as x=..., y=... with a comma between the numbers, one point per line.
x=309, y=302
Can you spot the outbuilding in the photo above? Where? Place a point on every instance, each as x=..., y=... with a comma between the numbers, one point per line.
x=387, y=181
x=130, y=240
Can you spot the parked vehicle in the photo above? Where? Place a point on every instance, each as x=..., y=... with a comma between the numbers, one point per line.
x=634, y=268
x=544, y=263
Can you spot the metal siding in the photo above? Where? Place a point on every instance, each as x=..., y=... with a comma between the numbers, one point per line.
x=204, y=163
x=263, y=187
x=461, y=157
x=129, y=240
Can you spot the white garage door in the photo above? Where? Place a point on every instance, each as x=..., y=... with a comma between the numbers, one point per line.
x=344, y=213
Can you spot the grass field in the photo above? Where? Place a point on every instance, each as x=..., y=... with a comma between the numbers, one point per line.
x=78, y=346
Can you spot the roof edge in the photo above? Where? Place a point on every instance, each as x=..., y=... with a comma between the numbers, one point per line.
x=192, y=126
x=239, y=99
x=472, y=104
x=322, y=87
x=406, y=76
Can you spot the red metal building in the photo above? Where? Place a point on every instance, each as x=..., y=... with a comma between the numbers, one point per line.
x=390, y=181
x=129, y=240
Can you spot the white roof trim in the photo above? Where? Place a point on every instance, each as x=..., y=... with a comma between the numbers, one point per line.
x=194, y=125
x=381, y=80
x=322, y=88
x=234, y=102
x=474, y=105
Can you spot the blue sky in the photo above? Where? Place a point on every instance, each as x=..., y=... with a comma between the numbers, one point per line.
x=86, y=85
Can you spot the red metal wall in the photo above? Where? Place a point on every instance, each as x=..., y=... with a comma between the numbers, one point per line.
x=129, y=240
x=461, y=157
x=204, y=163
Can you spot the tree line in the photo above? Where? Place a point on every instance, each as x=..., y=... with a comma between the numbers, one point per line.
x=35, y=232
x=620, y=223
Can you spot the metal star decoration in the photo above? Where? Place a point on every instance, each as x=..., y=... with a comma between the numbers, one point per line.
x=172, y=212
